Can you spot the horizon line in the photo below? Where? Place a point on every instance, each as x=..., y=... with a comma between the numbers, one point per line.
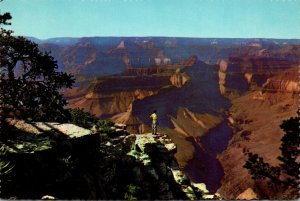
x=149, y=36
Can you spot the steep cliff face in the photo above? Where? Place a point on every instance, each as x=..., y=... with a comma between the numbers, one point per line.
x=255, y=118
x=134, y=124
x=111, y=96
x=238, y=74
x=258, y=62
x=222, y=82
x=145, y=71
x=77, y=58
x=248, y=77
x=178, y=79
x=109, y=104
x=223, y=65
x=286, y=81
x=191, y=124
x=157, y=155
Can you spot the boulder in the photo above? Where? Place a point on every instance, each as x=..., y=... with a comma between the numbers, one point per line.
x=121, y=126
x=145, y=142
x=189, y=192
x=179, y=176
x=248, y=194
x=162, y=168
x=129, y=140
x=138, y=174
x=48, y=197
x=118, y=139
x=151, y=172
x=163, y=186
x=201, y=187
x=171, y=147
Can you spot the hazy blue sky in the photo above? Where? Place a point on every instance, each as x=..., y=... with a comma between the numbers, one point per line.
x=188, y=18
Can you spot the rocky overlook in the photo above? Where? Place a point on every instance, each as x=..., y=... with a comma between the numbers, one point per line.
x=64, y=161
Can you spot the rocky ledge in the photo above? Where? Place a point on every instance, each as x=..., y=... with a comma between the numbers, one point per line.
x=65, y=161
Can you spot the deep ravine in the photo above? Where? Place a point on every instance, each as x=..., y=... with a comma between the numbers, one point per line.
x=205, y=167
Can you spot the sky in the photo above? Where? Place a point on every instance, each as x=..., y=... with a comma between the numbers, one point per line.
x=175, y=18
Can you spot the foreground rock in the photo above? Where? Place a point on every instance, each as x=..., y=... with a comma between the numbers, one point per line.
x=60, y=160
x=156, y=153
x=248, y=194
x=64, y=161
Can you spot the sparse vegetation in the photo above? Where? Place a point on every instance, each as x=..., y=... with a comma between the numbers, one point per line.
x=82, y=118
x=5, y=166
x=131, y=192
x=104, y=125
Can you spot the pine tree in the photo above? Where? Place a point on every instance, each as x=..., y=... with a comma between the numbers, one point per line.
x=290, y=149
x=29, y=79
x=290, y=155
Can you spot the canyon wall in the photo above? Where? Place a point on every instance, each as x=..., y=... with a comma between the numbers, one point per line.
x=255, y=118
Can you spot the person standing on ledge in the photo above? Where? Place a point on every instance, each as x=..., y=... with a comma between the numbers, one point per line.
x=153, y=116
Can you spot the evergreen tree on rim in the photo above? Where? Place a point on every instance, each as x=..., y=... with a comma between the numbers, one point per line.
x=29, y=80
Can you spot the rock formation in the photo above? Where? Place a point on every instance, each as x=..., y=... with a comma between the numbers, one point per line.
x=109, y=104
x=248, y=194
x=112, y=96
x=255, y=119
x=145, y=71
x=192, y=124
x=222, y=75
x=77, y=58
x=248, y=77
x=286, y=81
x=222, y=81
x=134, y=124
x=178, y=79
x=50, y=159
